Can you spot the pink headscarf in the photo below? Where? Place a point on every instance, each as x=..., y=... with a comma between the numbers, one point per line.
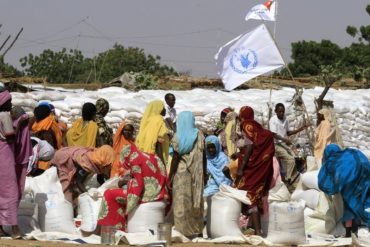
x=4, y=97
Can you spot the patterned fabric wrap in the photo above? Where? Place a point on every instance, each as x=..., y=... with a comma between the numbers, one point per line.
x=147, y=184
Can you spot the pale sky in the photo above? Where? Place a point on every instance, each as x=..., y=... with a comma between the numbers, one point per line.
x=186, y=34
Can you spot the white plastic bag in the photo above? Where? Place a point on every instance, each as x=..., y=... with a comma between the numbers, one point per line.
x=311, y=197
x=310, y=180
x=88, y=208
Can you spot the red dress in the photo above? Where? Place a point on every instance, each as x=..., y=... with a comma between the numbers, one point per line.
x=148, y=184
x=259, y=170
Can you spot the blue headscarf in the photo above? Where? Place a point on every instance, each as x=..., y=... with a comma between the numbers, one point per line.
x=186, y=132
x=347, y=172
x=215, y=165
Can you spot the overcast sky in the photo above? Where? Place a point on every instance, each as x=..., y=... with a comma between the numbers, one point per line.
x=186, y=34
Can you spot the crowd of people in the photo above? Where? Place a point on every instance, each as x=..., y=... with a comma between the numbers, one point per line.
x=169, y=160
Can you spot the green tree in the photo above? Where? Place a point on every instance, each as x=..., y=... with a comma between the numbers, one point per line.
x=308, y=56
x=118, y=60
x=7, y=70
x=61, y=66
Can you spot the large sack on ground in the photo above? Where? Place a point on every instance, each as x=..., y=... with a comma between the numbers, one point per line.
x=312, y=224
x=286, y=223
x=55, y=213
x=326, y=210
x=146, y=217
x=223, y=216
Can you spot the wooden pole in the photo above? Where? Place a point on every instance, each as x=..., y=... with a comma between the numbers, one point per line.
x=11, y=45
x=2, y=46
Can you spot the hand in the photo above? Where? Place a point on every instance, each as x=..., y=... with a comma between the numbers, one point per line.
x=288, y=142
x=234, y=156
x=238, y=178
x=124, y=180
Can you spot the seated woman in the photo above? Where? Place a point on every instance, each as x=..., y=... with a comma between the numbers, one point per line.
x=145, y=181
x=84, y=130
x=123, y=137
x=216, y=162
x=347, y=172
x=74, y=164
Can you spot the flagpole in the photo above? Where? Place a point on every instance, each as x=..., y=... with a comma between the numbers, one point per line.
x=274, y=37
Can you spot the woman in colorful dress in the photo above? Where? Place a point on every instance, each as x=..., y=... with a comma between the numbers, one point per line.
x=124, y=136
x=255, y=164
x=153, y=133
x=186, y=176
x=145, y=181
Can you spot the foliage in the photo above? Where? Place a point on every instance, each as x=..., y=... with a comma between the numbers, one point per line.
x=8, y=70
x=309, y=57
x=72, y=66
x=61, y=66
x=119, y=60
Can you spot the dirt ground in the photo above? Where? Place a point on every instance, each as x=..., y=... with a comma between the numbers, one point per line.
x=33, y=243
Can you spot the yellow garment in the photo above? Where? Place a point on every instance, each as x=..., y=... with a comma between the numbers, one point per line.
x=82, y=135
x=325, y=134
x=230, y=132
x=153, y=129
x=102, y=156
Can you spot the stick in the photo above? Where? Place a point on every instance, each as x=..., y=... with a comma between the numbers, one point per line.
x=2, y=46
x=11, y=45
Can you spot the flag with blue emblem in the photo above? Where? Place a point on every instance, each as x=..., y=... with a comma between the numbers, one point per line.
x=247, y=56
x=265, y=11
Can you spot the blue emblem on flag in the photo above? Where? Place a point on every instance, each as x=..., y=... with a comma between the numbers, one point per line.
x=243, y=60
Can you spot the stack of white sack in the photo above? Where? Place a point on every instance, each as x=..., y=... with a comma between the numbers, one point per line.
x=352, y=116
x=322, y=212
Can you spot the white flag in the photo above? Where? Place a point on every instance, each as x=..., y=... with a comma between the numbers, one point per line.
x=265, y=11
x=247, y=56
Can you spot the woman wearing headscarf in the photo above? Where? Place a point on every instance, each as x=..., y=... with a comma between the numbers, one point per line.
x=255, y=164
x=186, y=176
x=145, y=181
x=123, y=137
x=74, y=164
x=216, y=162
x=105, y=133
x=9, y=192
x=221, y=124
x=84, y=130
x=325, y=133
x=45, y=127
x=22, y=145
x=347, y=172
x=153, y=133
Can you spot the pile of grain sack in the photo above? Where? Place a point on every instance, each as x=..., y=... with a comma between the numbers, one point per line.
x=352, y=107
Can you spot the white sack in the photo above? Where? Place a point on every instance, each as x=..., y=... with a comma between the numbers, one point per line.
x=146, y=217
x=311, y=197
x=279, y=193
x=223, y=216
x=286, y=222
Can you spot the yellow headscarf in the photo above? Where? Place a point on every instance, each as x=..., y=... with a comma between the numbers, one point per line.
x=102, y=156
x=153, y=129
x=82, y=135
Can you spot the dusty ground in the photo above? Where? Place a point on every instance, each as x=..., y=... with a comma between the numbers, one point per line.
x=31, y=243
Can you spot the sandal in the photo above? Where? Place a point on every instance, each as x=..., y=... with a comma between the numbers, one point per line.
x=16, y=236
